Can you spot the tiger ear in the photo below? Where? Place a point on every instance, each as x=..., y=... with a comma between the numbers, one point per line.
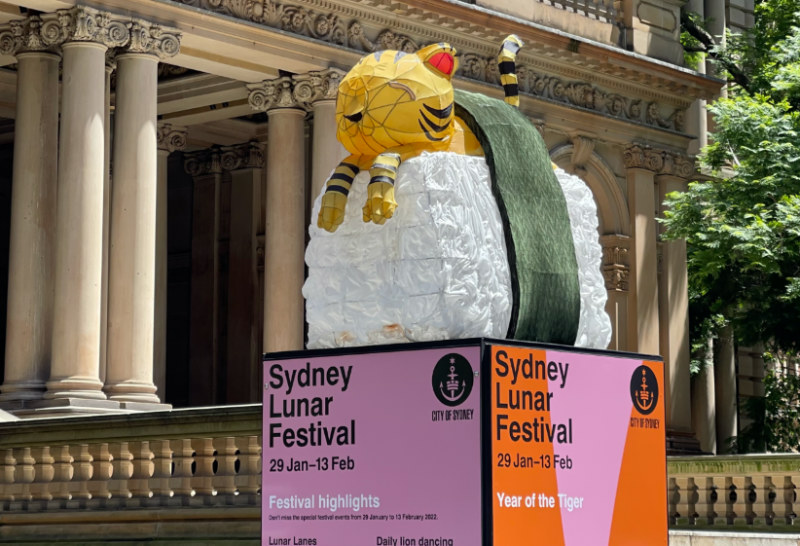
x=440, y=58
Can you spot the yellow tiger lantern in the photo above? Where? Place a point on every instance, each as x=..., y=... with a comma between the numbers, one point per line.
x=393, y=106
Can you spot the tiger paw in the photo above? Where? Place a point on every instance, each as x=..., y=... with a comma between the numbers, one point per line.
x=331, y=211
x=380, y=202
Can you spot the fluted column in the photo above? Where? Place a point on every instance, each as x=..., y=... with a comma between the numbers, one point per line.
x=132, y=267
x=170, y=139
x=76, y=328
x=326, y=150
x=33, y=222
x=285, y=218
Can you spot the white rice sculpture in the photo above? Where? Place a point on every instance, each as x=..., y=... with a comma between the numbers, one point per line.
x=438, y=269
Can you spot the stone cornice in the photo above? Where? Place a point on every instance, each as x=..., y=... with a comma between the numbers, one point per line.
x=638, y=156
x=560, y=74
x=299, y=91
x=49, y=31
x=171, y=138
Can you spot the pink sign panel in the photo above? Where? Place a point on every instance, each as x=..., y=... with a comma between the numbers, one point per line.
x=373, y=449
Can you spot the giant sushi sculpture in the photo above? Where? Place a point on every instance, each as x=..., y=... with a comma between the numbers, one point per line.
x=448, y=219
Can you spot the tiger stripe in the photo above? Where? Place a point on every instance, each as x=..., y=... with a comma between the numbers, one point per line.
x=441, y=114
x=342, y=178
x=384, y=169
x=506, y=62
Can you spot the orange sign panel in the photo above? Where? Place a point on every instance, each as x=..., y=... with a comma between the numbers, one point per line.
x=577, y=448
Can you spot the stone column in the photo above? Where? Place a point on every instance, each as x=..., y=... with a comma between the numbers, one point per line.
x=74, y=372
x=133, y=219
x=285, y=219
x=245, y=163
x=673, y=295
x=33, y=219
x=204, y=345
x=704, y=413
x=326, y=150
x=170, y=139
x=643, y=328
x=111, y=65
x=725, y=391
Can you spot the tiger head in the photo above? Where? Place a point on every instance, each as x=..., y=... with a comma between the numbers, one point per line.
x=392, y=98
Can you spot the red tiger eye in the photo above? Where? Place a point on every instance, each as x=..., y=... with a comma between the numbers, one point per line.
x=443, y=62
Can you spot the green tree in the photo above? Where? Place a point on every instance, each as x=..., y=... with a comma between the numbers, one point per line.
x=742, y=224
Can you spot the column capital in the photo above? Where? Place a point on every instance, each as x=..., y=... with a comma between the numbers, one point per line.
x=274, y=94
x=152, y=39
x=299, y=91
x=49, y=31
x=171, y=137
x=318, y=85
x=219, y=159
x=34, y=33
x=249, y=155
x=203, y=162
x=84, y=24
x=658, y=161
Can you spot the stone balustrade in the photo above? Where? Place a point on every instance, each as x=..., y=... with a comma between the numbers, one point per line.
x=206, y=457
x=207, y=462
x=602, y=10
x=757, y=491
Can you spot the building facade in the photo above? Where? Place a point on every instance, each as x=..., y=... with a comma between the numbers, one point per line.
x=160, y=159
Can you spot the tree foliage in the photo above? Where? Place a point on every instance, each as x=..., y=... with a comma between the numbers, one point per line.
x=774, y=417
x=742, y=224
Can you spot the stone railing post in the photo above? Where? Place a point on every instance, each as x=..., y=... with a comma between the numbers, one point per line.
x=82, y=471
x=203, y=481
x=101, y=471
x=181, y=480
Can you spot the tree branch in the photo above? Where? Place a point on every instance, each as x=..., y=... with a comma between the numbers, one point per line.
x=710, y=48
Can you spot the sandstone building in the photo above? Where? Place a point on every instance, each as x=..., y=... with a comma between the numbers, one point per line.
x=159, y=162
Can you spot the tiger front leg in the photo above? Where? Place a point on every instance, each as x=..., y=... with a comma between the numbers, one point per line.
x=334, y=200
x=380, y=193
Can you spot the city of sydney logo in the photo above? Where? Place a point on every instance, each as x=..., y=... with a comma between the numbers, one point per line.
x=452, y=379
x=644, y=390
